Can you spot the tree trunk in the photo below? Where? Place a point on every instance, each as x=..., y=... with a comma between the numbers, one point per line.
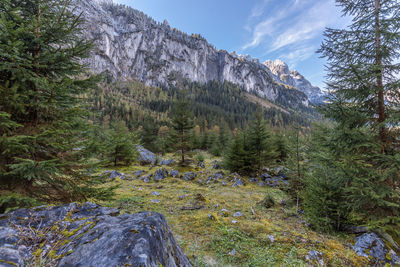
x=36, y=56
x=379, y=79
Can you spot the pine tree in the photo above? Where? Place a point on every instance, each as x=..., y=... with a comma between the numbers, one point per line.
x=363, y=102
x=42, y=124
x=182, y=125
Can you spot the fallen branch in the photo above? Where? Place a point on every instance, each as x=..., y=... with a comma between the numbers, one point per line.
x=192, y=208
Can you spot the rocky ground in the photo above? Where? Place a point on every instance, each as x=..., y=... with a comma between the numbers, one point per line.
x=216, y=217
x=221, y=219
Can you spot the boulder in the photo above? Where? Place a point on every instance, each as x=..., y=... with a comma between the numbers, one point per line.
x=145, y=178
x=90, y=236
x=160, y=174
x=138, y=173
x=218, y=176
x=265, y=176
x=253, y=180
x=371, y=245
x=146, y=156
x=238, y=214
x=314, y=255
x=276, y=181
x=189, y=176
x=114, y=174
x=201, y=165
x=216, y=166
x=174, y=173
x=167, y=162
x=238, y=182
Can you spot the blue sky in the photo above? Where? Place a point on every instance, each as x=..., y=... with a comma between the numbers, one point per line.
x=290, y=30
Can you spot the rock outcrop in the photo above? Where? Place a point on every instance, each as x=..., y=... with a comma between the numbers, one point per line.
x=87, y=235
x=131, y=45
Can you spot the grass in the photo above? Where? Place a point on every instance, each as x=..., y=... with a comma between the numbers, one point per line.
x=210, y=241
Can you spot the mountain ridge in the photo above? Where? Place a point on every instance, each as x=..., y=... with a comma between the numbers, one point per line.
x=131, y=45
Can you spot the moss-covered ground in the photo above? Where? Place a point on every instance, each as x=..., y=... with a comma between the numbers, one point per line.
x=211, y=237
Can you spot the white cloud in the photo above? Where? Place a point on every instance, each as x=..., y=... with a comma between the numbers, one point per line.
x=293, y=27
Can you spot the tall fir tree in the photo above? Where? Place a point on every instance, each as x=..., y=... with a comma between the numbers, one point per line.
x=364, y=103
x=42, y=122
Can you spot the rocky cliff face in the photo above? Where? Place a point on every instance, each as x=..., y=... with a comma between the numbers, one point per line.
x=280, y=72
x=131, y=45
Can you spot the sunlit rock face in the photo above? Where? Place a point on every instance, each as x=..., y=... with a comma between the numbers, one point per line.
x=131, y=45
x=280, y=72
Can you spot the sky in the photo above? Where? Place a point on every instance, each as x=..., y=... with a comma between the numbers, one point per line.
x=290, y=30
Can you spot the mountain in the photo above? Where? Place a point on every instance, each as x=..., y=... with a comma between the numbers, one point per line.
x=131, y=45
x=279, y=70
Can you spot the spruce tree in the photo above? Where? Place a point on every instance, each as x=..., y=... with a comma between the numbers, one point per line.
x=364, y=104
x=182, y=125
x=234, y=158
x=121, y=144
x=259, y=139
x=42, y=123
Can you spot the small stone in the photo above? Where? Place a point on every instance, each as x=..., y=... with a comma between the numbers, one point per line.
x=212, y=217
x=160, y=174
x=225, y=212
x=201, y=165
x=237, y=183
x=238, y=214
x=183, y=197
x=315, y=255
x=174, y=173
x=189, y=176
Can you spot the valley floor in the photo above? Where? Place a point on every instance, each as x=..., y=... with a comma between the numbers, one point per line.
x=201, y=217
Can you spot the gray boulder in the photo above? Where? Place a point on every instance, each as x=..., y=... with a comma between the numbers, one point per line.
x=253, y=180
x=314, y=255
x=189, y=176
x=114, y=174
x=138, y=173
x=167, y=162
x=160, y=174
x=276, y=181
x=238, y=182
x=174, y=173
x=238, y=214
x=146, y=156
x=265, y=176
x=201, y=165
x=371, y=245
x=95, y=236
x=216, y=165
